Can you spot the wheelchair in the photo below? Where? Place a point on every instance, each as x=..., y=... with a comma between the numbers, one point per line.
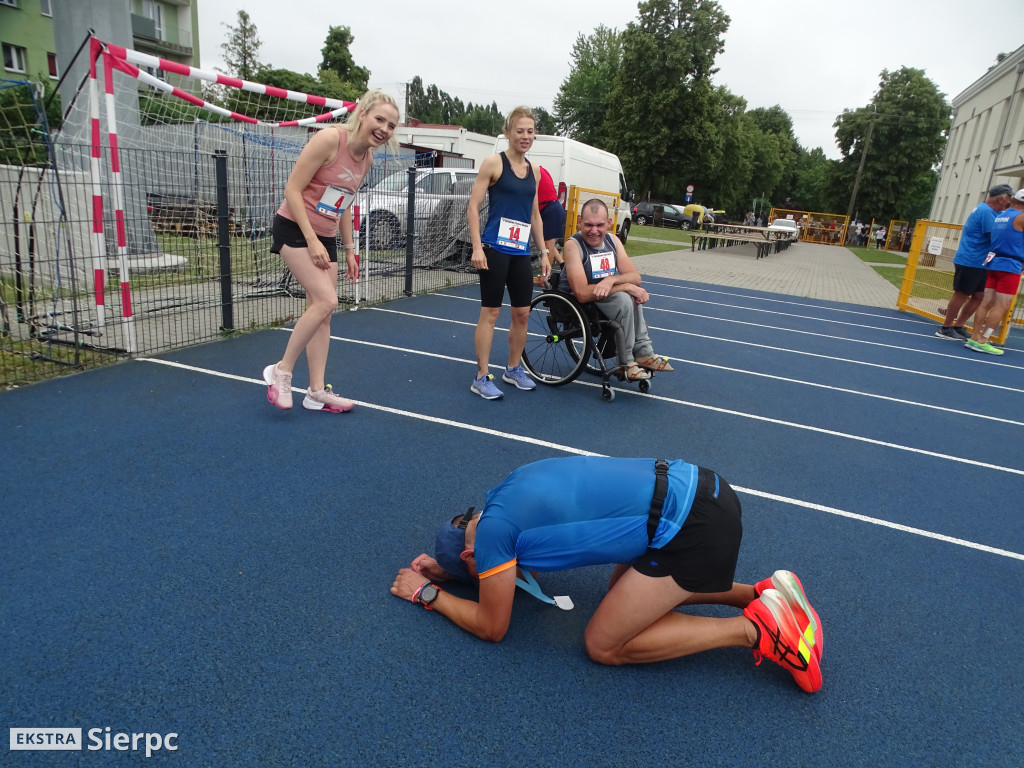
x=564, y=338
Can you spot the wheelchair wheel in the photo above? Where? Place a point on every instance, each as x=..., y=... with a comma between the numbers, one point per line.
x=557, y=339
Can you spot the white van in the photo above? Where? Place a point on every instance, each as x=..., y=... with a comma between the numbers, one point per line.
x=572, y=163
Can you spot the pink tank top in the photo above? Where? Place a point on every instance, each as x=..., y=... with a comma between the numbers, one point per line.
x=332, y=188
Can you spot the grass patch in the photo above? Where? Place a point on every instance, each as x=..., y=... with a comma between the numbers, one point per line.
x=32, y=360
x=672, y=235
x=635, y=248
x=928, y=283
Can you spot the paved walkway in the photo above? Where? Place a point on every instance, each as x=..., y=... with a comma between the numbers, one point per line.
x=810, y=270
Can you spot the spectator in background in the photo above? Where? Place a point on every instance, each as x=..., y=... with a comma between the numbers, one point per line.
x=880, y=234
x=552, y=214
x=969, y=274
x=1003, y=262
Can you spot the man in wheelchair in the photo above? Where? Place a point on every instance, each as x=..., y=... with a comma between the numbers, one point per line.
x=597, y=270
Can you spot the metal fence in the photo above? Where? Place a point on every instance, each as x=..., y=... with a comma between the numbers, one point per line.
x=198, y=262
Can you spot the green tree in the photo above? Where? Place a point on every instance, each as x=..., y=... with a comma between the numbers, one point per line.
x=775, y=164
x=910, y=119
x=481, y=119
x=663, y=125
x=810, y=189
x=242, y=49
x=338, y=58
x=545, y=120
x=583, y=99
x=725, y=183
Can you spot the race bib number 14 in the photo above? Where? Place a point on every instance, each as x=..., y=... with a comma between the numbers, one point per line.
x=514, y=234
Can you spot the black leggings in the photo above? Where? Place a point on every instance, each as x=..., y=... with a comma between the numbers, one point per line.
x=503, y=270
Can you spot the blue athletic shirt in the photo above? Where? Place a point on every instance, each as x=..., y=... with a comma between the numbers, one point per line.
x=976, y=237
x=1007, y=243
x=565, y=513
x=510, y=198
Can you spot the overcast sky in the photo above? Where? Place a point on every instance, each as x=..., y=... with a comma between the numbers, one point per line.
x=811, y=57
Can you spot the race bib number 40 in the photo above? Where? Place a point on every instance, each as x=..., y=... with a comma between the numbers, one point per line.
x=602, y=264
x=514, y=234
x=334, y=201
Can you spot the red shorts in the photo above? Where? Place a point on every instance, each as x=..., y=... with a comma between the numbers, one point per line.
x=1002, y=282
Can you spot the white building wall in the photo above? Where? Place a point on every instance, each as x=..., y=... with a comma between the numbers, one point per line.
x=986, y=141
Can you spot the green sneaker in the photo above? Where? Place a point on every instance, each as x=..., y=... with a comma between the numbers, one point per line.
x=985, y=347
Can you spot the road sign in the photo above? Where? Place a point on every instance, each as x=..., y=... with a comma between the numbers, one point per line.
x=689, y=197
x=689, y=188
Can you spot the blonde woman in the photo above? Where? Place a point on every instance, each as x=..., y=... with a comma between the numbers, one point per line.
x=317, y=201
x=501, y=252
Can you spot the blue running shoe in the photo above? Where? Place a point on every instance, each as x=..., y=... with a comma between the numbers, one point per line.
x=484, y=386
x=519, y=377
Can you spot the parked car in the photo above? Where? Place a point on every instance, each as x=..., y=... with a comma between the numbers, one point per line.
x=787, y=226
x=658, y=214
x=386, y=203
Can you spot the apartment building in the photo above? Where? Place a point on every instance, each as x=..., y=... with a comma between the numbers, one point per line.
x=165, y=28
x=986, y=141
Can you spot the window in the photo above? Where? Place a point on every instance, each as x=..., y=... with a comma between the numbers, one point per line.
x=51, y=62
x=153, y=10
x=14, y=58
x=45, y=6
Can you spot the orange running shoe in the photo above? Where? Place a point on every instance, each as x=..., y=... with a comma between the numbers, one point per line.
x=779, y=639
x=788, y=585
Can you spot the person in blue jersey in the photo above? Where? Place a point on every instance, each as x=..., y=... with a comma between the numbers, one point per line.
x=501, y=253
x=1003, y=264
x=969, y=273
x=598, y=270
x=673, y=531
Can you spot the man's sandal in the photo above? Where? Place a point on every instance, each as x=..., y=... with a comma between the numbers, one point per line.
x=654, y=362
x=634, y=372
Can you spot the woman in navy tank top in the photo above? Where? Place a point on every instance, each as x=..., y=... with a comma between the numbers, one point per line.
x=501, y=253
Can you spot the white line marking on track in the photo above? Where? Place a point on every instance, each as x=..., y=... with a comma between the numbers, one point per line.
x=845, y=323
x=580, y=452
x=727, y=411
x=833, y=337
x=760, y=346
x=794, y=302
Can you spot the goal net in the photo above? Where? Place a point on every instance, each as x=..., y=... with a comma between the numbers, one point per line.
x=152, y=159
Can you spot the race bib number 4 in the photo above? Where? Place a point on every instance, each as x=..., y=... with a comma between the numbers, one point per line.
x=602, y=264
x=514, y=234
x=334, y=201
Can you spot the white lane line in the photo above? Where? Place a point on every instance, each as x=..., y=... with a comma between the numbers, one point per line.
x=844, y=390
x=726, y=411
x=845, y=323
x=725, y=339
x=774, y=301
x=833, y=337
x=386, y=409
x=580, y=452
x=836, y=358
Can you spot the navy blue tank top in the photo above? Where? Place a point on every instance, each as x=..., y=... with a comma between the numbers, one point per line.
x=509, y=210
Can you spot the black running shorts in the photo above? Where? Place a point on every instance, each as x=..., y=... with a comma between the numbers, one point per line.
x=702, y=556
x=287, y=232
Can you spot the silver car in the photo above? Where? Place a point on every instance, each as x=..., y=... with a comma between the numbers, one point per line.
x=386, y=203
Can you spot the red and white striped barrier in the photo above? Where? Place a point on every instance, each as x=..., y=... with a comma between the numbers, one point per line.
x=116, y=57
